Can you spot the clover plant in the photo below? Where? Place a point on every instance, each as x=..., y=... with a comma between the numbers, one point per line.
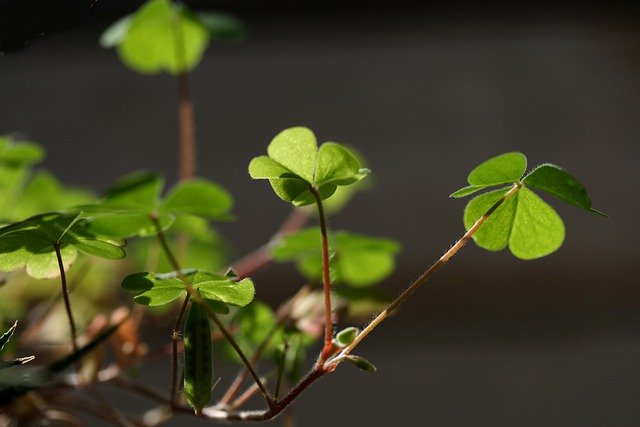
x=176, y=259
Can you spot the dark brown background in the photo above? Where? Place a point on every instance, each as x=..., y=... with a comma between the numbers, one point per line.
x=425, y=92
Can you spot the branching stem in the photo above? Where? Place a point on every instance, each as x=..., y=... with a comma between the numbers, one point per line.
x=425, y=276
x=193, y=293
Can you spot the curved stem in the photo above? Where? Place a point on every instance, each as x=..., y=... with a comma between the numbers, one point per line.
x=193, y=293
x=65, y=297
x=425, y=276
x=326, y=280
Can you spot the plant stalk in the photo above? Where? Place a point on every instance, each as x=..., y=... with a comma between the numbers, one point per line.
x=65, y=297
x=185, y=105
x=326, y=280
x=175, y=337
x=193, y=293
x=425, y=276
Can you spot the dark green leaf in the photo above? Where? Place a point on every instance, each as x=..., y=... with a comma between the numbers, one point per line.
x=222, y=26
x=557, y=181
x=155, y=289
x=139, y=191
x=503, y=169
x=31, y=243
x=198, y=362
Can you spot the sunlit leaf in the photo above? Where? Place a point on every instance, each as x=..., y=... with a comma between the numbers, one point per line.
x=357, y=260
x=163, y=37
x=294, y=166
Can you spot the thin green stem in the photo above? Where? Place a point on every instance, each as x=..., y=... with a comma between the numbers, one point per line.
x=425, y=276
x=195, y=295
x=326, y=280
x=65, y=297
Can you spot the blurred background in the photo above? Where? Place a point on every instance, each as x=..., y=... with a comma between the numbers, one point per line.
x=426, y=91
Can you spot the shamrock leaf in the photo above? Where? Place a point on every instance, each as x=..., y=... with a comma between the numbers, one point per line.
x=32, y=243
x=165, y=36
x=295, y=166
x=133, y=205
x=218, y=291
x=357, y=260
x=527, y=224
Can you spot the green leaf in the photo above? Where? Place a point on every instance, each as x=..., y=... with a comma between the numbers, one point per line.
x=295, y=149
x=357, y=261
x=198, y=362
x=530, y=227
x=138, y=191
x=19, y=153
x=150, y=47
x=557, y=181
x=7, y=335
x=31, y=243
x=503, y=169
x=295, y=165
x=537, y=228
x=152, y=289
x=158, y=289
x=198, y=197
x=222, y=26
x=116, y=33
x=494, y=234
x=336, y=165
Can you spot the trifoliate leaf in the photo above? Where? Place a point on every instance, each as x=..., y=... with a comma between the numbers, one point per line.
x=155, y=289
x=294, y=166
x=357, y=261
x=557, y=181
x=161, y=36
x=530, y=227
x=31, y=243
